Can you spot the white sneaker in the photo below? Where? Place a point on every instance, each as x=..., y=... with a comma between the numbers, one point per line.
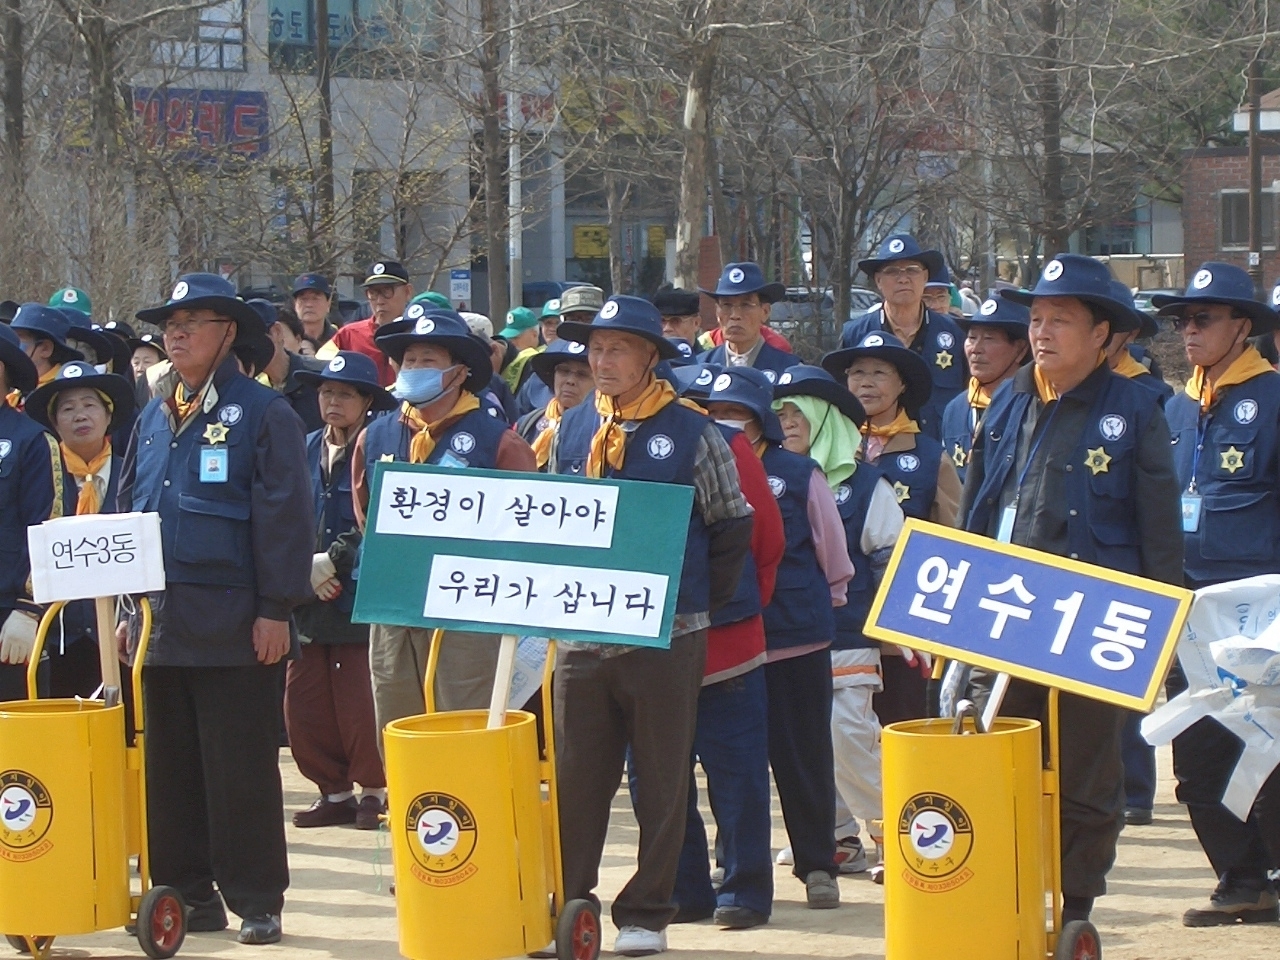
x=850, y=856
x=785, y=858
x=640, y=942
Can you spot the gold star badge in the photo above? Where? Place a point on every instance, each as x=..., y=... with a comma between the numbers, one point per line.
x=943, y=359
x=1232, y=459
x=958, y=456
x=1098, y=460
x=901, y=491
x=216, y=433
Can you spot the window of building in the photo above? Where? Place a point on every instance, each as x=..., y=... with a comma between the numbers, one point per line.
x=214, y=40
x=364, y=35
x=1233, y=220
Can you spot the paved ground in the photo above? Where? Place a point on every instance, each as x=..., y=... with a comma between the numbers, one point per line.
x=338, y=905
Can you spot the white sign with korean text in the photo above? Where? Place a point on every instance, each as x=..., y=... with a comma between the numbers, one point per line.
x=464, y=506
x=97, y=555
x=548, y=596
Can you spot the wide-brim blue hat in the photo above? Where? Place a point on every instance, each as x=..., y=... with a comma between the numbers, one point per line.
x=1222, y=283
x=902, y=246
x=1148, y=326
x=19, y=370
x=194, y=291
x=355, y=370
x=121, y=352
x=688, y=354
x=1085, y=279
x=149, y=340
x=750, y=388
x=694, y=379
x=83, y=331
x=78, y=373
x=999, y=312
x=445, y=328
x=740, y=279
x=805, y=380
x=623, y=314
x=258, y=350
x=561, y=351
x=47, y=323
x=885, y=346
x=940, y=277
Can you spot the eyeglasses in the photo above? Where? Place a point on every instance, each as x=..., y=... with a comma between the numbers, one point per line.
x=382, y=291
x=908, y=270
x=1201, y=320
x=190, y=326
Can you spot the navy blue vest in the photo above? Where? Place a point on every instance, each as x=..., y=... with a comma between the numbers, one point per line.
x=1157, y=386
x=959, y=421
x=770, y=360
x=335, y=510
x=746, y=599
x=1236, y=476
x=26, y=494
x=941, y=346
x=204, y=527
x=660, y=450
x=1102, y=526
x=853, y=497
x=800, y=612
x=913, y=474
x=470, y=442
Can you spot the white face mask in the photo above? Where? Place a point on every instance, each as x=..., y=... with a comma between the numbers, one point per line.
x=736, y=424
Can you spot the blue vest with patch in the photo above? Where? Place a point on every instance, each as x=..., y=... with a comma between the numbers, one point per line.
x=913, y=474
x=853, y=498
x=1236, y=476
x=941, y=346
x=470, y=442
x=23, y=443
x=800, y=612
x=746, y=599
x=1102, y=525
x=770, y=360
x=959, y=421
x=660, y=450
x=334, y=508
x=205, y=528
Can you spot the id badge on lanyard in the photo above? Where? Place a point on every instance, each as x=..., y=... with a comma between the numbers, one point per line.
x=1004, y=534
x=213, y=464
x=1191, y=504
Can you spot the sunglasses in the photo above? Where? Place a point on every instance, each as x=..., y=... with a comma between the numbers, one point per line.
x=1201, y=320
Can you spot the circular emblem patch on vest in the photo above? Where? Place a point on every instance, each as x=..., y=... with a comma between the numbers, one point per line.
x=722, y=382
x=180, y=290
x=575, y=347
x=71, y=372
x=230, y=415
x=542, y=424
x=336, y=364
x=769, y=375
x=988, y=307
x=778, y=486
x=5, y=447
x=661, y=446
x=463, y=442
x=26, y=813
x=908, y=462
x=704, y=378
x=896, y=245
x=609, y=310
x=416, y=310
x=1246, y=411
x=784, y=379
x=935, y=836
x=946, y=341
x=873, y=340
x=1113, y=426
x=736, y=275
x=1202, y=279
x=424, y=326
x=442, y=836
x=379, y=269
x=843, y=493
x=1053, y=270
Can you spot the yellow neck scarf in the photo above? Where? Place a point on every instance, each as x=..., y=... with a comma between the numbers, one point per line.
x=979, y=394
x=183, y=405
x=901, y=424
x=14, y=399
x=89, y=500
x=609, y=445
x=424, y=441
x=542, y=442
x=1129, y=367
x=1047, y=392
x=49, y=375
x=1244, y=367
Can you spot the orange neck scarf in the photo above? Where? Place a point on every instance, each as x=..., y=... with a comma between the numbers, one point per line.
x=901, y=424
x=979, y=394
x=609, y=445
x=1244, y=367
x=184, y=405
x=89, y=500
x=424, y=441
x=542, y=442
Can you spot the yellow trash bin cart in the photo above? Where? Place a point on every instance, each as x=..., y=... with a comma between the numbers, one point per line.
x=72, y=812
x=475, y=833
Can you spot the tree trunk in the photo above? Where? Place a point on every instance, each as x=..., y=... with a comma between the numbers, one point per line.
x=323, y=244
x=14, y=135
x=719, y=208
x=107, y=201
x=494, y=152
x=618, y=198
x=693, y=170
x=1056, y=234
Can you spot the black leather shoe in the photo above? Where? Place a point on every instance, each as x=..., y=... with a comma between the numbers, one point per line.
x=206, y=916
x=260, y=930
x=1137, y=817
x=739, y=918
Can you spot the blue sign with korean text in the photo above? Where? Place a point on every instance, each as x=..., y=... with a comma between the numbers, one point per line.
x=499, y=552
x=207, y=126
x=1081, y=628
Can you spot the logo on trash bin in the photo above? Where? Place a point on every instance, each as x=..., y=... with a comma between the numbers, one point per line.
x=26, y=813
x=935, y=836
x=442, y=837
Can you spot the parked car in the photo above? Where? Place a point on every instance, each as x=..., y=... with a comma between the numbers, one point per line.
x=1142, y=299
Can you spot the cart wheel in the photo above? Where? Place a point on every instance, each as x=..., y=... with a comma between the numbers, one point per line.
x=578, y=931
x=20, y=943
x=1079, y=940
x=162, y=923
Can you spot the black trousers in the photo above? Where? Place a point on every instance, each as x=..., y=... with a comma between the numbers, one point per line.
x=215, y=807
x=13, y=681
x=802, y=758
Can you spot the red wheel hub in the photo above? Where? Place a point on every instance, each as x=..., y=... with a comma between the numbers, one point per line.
x=586, y=936
x=166, y=922
x=1086, y=948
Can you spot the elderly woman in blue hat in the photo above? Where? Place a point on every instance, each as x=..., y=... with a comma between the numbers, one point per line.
x=1073, y=460
x=1226, y=448
x=995, y=346
x=821, y=420
x=564, y=370
x=1122, y=346
x=901, y=270
x=743, y=298
x=328, y=701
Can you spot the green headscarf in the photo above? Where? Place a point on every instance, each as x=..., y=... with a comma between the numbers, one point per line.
x=833, y=438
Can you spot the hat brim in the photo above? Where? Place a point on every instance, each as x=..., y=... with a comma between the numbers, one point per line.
x=261, y=351
x=136, y=343
x=19, y=370
x=1262, y=318
x=118, y=388
x=121, y=353
x=931, y=259
x=834, y=394
x=768, y=292
x=297, y=290
x=1122, y=319
x=581, y=333
x=510, y=333
x=910, y=366
x=248, y=323
x=381, y=399
x=544, y=364
x=99, y=341
x=466, y=349
x=1019, y=330
x=382, y=279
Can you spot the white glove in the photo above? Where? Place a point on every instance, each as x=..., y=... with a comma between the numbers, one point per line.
x=322, y=569
x=18, y=637
x=914, y=657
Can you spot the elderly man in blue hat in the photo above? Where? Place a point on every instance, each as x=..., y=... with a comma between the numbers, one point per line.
x=995, y=346
x=900, y=270
x=1226, y=435
x=1074, y=460
x=607, y=696
x=223, y=460
x=743, y=298
x=33, y=489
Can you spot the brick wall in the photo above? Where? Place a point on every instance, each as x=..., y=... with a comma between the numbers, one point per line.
x=1205, y=174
